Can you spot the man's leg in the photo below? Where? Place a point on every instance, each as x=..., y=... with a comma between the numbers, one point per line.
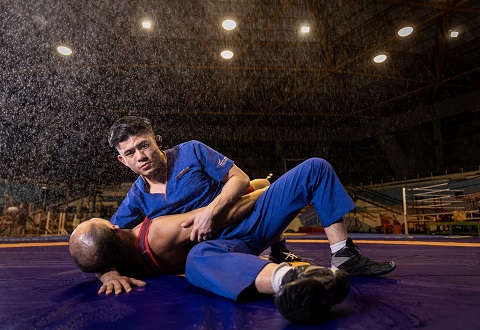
x=279, y=250
x=312, y=182
x=315, y=182
x=336, y=232
x=225, y=267
x=302, y=294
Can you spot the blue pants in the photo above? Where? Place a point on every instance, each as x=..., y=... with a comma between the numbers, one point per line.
x=229, y=264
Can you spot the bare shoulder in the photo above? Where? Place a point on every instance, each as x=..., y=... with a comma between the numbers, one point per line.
x=169, y=241
x=166, y=231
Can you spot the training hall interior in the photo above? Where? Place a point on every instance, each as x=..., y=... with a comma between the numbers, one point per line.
x=386, y=91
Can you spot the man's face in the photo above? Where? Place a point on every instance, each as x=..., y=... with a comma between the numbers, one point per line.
x=141, y=154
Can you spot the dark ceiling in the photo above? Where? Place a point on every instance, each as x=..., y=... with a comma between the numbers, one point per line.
x=283, y=94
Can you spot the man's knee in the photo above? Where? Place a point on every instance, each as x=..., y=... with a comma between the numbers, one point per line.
x=317, y=165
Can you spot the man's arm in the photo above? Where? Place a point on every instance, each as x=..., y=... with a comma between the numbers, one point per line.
x=236, y=183
x=233, y=214
x=239, y=210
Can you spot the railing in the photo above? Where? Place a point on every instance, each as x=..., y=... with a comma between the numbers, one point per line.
x=376, y=198
x=41, y=223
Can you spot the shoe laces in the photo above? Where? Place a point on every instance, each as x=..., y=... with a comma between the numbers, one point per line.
x=356, y=251
x=289, y=255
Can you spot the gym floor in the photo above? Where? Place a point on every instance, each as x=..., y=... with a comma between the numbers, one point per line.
x=436, y=286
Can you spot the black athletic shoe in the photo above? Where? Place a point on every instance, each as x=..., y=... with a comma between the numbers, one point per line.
x=355, y=264
x=283, y=256
x=308, y=292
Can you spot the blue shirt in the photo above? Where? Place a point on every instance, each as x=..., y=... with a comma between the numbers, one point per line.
x=194, y=175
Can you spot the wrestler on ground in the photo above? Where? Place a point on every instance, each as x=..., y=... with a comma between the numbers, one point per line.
x=228, y=264
x=159, y=246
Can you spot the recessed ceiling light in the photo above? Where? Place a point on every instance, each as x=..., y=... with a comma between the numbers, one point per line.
x=405, y=31
x=147, y=24
x=380, y=58
x=227, y=54
x=229, y=24
x=305, y=29
x=64, y=50
x=453, y=34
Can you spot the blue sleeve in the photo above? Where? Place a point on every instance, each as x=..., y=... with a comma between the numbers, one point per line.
x=214, y=163
x=128, y=215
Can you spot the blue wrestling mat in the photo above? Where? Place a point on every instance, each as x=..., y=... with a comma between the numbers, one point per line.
x=436, y=286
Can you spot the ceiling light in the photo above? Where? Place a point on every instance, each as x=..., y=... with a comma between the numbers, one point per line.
x=453, y=34
x=147, y=24
x=229, y=24
x=380, y=58
x=405, y=31
x=305, y=29
x=227, y=54
x=64, y=50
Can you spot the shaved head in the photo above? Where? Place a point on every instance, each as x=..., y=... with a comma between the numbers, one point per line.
x=98, y=246
x=94, y=246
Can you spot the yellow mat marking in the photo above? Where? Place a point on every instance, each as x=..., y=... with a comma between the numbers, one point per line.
x=383, y=242
x=390, y=242
x=37, y=244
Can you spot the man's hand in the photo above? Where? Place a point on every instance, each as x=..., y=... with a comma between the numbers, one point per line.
x=202, y=223
x=114, y=282
x=235, y=183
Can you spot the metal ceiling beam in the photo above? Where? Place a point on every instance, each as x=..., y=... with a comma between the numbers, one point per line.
x=433, y=5
x=418, y=90
x=314, y=81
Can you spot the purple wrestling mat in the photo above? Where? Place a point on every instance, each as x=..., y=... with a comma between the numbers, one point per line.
x=436, y=286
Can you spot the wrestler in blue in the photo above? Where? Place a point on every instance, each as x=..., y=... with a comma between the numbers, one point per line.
x=177, y=180
x=225, y=261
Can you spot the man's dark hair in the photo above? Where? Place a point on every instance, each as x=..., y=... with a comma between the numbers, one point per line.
x=128, y=126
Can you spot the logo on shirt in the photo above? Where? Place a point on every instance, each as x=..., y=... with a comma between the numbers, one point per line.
x=182, y=173
x=223, y=162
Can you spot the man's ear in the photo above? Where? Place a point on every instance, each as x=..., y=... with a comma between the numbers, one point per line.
x=121, y=159
x=159, y=141
x=114, y=227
